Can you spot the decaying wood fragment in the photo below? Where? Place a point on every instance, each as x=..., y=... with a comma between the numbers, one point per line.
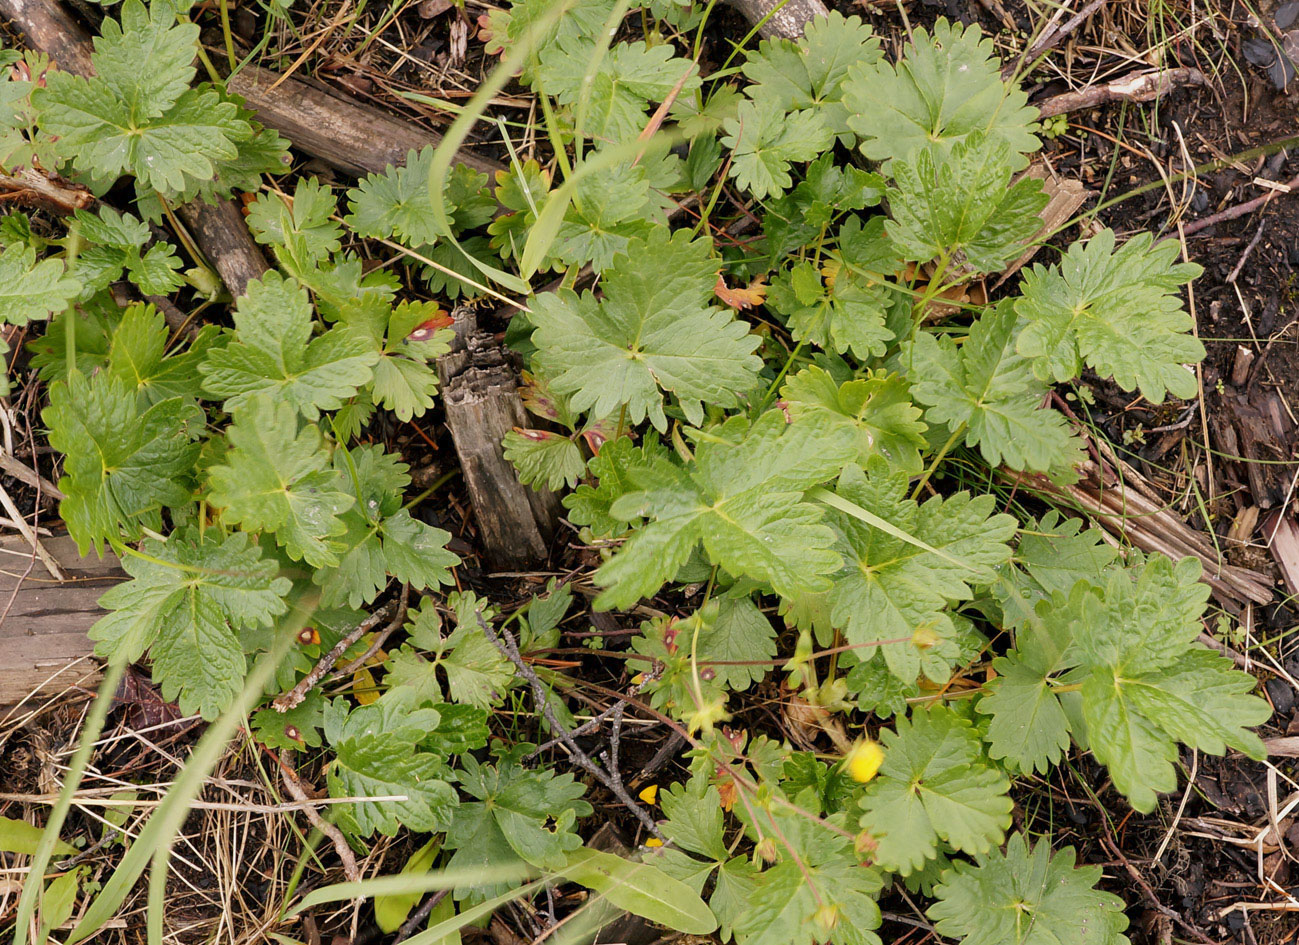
x=1138, y=87
x=333, y=126
x=1064, y=197
x=43, y=643
x=788, y=20
x=31, y=188
x=480, y=395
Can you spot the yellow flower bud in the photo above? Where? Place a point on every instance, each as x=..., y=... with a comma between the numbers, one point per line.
x=863, y=760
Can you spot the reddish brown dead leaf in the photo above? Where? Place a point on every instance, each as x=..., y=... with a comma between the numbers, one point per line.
x=740, y=299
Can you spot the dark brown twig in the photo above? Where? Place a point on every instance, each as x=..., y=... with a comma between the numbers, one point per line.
x=509, y=647
x=1239, y=210
x=294, y=696
x=418, y=916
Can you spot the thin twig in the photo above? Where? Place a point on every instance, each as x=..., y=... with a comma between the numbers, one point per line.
x=1052, y=38
x=509, y=647
x=294, y=696
x=1239, y=210
x=381, y=638
x=291, y=784
x=418, y=916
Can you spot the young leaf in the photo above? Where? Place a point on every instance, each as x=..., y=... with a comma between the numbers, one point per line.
x=273, y=353
x=591, y=506
x=989, y=391
x=653, y=332
x=186, y=600
x=766, y=140
x=476, y=672
x=377, y=753
x=811, y=72
x=517, y=813
x=1027, y=897
x=396, y=203
x=961, y=206
x=543, y=458
x=630, y=77
x=877, y=409
x=935, y=784
x=947, y=86
x=888, y=588
x=1117, y=311
x=31, y=289
x=844, y=313
x=124, y=460
x=381, y=537
x=277, y=478
x=275, y=219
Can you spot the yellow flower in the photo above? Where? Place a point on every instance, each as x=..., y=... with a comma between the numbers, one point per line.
x=653, y=842
x=864, y=759
x=650, y=794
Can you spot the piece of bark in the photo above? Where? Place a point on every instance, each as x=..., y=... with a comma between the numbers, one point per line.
x=333, y=126
x=220, y=231
x=1282, y=537
x=32, y=188
x=1138, y=87
x=43, y=644
x=786, y=22
x=50, y=29
x=1064, y=197
x=480, y=395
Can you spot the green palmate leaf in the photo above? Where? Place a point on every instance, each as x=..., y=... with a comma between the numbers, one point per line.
x=186, y=601
x=811, y=72
x=544, y=459
x=119, y=241
x=407, y=337
x=946, y=87
x=1027, y=897
x=381, y=537
x=274, y=218
x=653, y=332
x=827, y=897
x=276, y=477
x=396, y=203
x=273, y=352
x=630, y=77
x=138, y=356
x=962, y=207
x=31, y=289
x=517, y=813
x=743, y=499
x=935, y=784
x=766, y=140
x=988, y=390
x=1133, y=674
x=610, y=208
x=1118, y=312
x=877, y=409
x=377, y=753
x=166, y=148
x=890, y=589
x=124, y=460
x=796, y=219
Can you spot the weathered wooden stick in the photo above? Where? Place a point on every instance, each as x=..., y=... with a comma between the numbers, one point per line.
x=787, y=22
x=333, y=126
x=43, y=643
x=481, y=397
x=1138, y=87
x=50, y=29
